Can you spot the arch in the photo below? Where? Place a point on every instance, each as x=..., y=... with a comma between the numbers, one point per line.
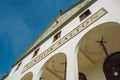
x=91, y=55
x=54, y=68
x=27, y=76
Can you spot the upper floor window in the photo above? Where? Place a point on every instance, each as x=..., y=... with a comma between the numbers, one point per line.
x=85, y=14
x=57, y=36
x=35, y=53
x=18, y=66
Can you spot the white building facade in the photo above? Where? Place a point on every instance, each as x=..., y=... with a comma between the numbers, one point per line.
x=83, y=43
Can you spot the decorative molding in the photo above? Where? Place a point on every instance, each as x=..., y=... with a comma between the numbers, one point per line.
x=66, y=38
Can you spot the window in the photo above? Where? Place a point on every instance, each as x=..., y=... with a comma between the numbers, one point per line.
x=57, y=36
x=35, y=53
x=85, y=14
x=18, y=66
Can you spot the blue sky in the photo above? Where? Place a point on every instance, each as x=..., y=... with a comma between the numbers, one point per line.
x=21, y=22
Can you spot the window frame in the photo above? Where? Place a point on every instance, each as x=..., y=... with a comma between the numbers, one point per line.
x=18, y=66
x=35, y=52
x=85, y=15
x=57, y=36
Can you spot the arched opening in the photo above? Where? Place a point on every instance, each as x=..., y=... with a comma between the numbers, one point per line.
x=54, y=68
x=93, y=49
x=27, y=76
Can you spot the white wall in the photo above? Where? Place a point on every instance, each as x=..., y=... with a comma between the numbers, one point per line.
x=113, y=8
